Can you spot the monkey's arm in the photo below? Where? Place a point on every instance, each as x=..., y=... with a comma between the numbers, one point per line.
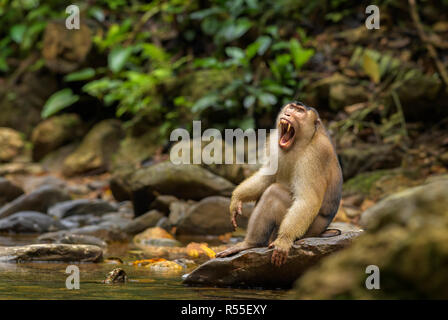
x=250, y=189
x=298, y=219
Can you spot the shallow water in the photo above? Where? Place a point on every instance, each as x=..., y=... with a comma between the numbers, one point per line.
x=43, y=280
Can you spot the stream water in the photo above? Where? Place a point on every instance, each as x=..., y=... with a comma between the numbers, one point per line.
x=44, y=280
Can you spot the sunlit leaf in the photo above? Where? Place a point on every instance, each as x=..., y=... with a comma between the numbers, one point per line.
x=17, y=32
x=84, y=74
x=299, y=54
x=371, y=68
x=59, y=101
x=118, y=57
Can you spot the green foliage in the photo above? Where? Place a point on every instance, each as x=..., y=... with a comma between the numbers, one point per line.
x=59, y=101
x=151, y=46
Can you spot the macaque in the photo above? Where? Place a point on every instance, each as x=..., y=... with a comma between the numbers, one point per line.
x=302, y=197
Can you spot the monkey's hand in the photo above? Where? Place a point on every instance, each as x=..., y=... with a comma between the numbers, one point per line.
x=236, y=208
x=281, y=250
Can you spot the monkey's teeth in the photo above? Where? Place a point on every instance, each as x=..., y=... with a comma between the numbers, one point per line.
x=289, y=127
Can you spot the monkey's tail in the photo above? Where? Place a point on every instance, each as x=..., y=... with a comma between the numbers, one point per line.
x=330, y=233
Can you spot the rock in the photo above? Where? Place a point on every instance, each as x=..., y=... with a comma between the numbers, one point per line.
x=182, y=181
x=411, y=207
x=405, y=238
x=102, y=232
x=211, y=216
x=117, y=275
x=96, y=149
x=342, y=95
x=54, y=132
x=39, y=200
x=362, y=158
x=78, y=221
x=29, y=222
x=143, y=222
x=31, y=183
x=51, y=252
x=11, y=142
x=8, y=191
x=20, y=168
x=65, y=51
x=69, y=208
x=380, y=182
x=162, y=203
x=54, y=161
x=71, y=238
x=178, y=210
x=156, y=237
x=253, y=267
x=165, y=266
x=21, y=104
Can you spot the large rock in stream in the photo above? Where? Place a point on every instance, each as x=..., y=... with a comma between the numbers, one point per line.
x=182, y=181
x=29, y=222
x=253, y=267
x=39, y=200
x=406, y=238
x=51, y=252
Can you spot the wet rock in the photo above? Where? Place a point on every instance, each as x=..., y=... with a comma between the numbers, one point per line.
x=117, y=275
x=253, y=267
x=71, y=238
x=51, y=252
x=95, y=151
x=156, y=237
x=11, y=142
x=165, y=266
x=211, y=216
x=105, y=233
x=39, y=200
x=54, y=132
x=81, y=206
x=78, y=221
x=29, y=222
x=143, y=222
x=8, y=191
x=183, y=181
x=405, y=237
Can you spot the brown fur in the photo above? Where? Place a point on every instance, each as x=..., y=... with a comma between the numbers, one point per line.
x=302, y=198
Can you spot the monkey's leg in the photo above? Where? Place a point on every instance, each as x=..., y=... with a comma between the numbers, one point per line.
x=319, y=227
x=266, y=217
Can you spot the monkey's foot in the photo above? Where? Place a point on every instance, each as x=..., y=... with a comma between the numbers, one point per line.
x=330, y=233
x=233, y=250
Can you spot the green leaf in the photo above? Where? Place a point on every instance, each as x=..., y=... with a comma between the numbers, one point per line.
x=371, y=68
x=235, y=53
x=300, y=55
x=58, y=101
x=205, y=102
x=118, y=57
x=84, y=74
x=17, y=32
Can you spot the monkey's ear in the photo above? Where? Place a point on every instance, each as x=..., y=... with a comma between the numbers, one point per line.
x=318, y=122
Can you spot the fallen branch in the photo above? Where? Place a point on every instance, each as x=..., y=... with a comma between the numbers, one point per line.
x=423, y=37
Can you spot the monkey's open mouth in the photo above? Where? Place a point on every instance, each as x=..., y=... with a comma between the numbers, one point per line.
x=287, y=133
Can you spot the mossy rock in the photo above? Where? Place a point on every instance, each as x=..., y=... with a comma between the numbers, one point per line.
x=95, y=151
x=54, y=132
x=405, y=237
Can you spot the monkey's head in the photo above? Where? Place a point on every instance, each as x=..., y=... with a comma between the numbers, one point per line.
x=296, y=121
